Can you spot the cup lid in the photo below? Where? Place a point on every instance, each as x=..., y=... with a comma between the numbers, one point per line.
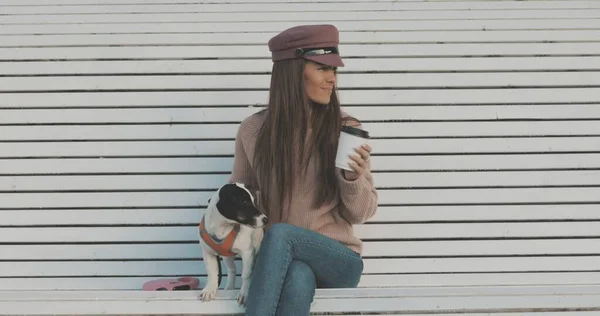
x=355, y=131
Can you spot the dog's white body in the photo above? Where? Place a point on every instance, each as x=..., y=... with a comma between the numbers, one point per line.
x=245, y=246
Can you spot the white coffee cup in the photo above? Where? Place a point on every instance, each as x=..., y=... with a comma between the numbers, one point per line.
x=350, y=138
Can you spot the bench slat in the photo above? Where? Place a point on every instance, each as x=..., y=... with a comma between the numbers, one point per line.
x=367, y=281
x=226, y=147
x=195, y=267
x=355, y=305
x=264, y=65
x=100, y=165
x=298, y=16
x=372, y=249
x=258, y=51
x=261, y=38
x=499, y=230
x=391, y=214
x=348, y=97
x=275, y=26
x=345, y=82
x=383, y=180
x=376, y=130
x=497, y=113
x=184, y=6
x=448, y=4
x=386, y=197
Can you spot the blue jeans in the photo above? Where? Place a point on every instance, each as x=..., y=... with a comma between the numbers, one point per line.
x=291, y=263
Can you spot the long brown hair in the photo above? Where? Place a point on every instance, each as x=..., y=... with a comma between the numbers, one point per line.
x=283, y=151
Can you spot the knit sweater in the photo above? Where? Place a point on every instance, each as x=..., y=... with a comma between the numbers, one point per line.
x=357, y=201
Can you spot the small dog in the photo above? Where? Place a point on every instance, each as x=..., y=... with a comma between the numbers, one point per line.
x=232, y=225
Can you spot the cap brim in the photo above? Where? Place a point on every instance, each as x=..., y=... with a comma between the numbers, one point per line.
x=333, y=60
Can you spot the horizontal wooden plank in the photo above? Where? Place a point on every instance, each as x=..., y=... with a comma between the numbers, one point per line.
x=226, y=147
x=347, y=97
x=346, y=306
x=406, y=64
x=97, y=7
x=351, y=37
x=405, y=113
x=394, y=214
x=425, y=4
x=368, y=280
x=346, y=301
x=398, y=232
x=228, y=131
x=187, y=267
x=192, y=251
x=382, y=180
x=344, y=82
x=277, y=26
x=405, y=197
x=400, y=291
x=258, y=51
x=95, y=165
x=233, y=16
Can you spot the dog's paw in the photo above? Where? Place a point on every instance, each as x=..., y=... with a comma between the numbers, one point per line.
x=242, y=298
x=208, y=294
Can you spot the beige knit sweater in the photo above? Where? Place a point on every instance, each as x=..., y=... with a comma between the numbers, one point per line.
x=356, y=204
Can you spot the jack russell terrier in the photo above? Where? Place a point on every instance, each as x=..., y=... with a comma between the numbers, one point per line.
x=231, y=225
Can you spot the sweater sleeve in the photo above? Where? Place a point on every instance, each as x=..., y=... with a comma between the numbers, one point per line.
x=359, y=197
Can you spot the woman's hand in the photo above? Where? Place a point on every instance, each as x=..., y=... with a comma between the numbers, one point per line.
x=358, y=163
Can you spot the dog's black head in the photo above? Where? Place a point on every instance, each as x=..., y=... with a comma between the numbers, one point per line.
x=237, y=204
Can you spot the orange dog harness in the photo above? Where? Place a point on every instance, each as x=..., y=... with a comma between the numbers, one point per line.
x=223, y=246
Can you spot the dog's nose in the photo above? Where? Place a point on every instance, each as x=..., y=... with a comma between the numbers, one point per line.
x=265, y=220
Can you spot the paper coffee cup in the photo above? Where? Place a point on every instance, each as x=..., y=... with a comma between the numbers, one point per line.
x=350, y=138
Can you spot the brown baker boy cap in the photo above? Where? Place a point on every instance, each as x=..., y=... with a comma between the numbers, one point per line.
x=318, y=43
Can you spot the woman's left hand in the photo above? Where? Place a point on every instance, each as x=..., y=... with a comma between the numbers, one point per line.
x=358, y=163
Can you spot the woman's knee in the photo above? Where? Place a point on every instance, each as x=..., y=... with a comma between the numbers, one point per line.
x=279, y=232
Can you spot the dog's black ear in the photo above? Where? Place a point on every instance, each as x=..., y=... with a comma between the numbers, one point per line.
x=209, y=200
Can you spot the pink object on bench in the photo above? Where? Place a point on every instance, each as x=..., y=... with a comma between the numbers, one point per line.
x=176, y=284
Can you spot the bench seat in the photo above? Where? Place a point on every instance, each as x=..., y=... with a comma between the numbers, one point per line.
x=497, y=301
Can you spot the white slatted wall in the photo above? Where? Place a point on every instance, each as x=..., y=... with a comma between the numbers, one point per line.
x=117, y=121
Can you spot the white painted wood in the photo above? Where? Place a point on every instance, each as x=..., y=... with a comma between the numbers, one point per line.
x=191, y=251
x=488, y=194
x=274, y=26
x=347, y=81
x=548, y=4
x=383, y=180
x=260, y=51
x=261, y=38
x=195, y=148
x=264, y=65
x=368, y=231
x=250, y=98
x=363, y=301
x=431, y=281
x=174, y=132
x=392, y=214
x=320, y=293
x=406, y=113
x=185, y=6
x=128, y=165
x=389, y=265
x=234, y=16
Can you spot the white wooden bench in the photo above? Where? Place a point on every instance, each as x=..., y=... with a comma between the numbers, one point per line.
x=115, y=129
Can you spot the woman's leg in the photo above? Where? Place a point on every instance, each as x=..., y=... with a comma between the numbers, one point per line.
x=298, y=290
x=334, y=265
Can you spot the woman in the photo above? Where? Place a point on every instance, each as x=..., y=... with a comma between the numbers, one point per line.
x=285, y=155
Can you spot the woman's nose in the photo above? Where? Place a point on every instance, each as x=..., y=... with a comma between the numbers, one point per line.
x=331, y=77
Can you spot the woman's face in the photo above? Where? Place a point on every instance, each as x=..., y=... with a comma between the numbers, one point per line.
x=319, y=81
